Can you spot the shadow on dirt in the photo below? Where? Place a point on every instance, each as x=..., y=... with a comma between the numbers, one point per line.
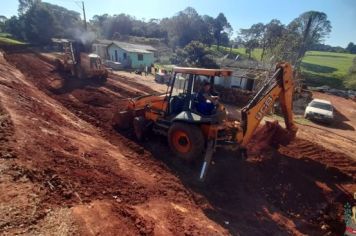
x=317, y=68
x=70, y=83
x=257, y=195
x=339, y=122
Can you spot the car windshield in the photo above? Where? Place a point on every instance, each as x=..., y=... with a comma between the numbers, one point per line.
x=321, y=105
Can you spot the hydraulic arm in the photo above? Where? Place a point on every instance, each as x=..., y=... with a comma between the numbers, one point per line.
x=279, y=86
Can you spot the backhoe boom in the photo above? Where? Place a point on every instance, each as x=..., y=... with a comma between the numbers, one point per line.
x=279, y=86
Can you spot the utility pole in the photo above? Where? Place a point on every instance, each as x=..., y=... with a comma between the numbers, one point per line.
x=85, y=19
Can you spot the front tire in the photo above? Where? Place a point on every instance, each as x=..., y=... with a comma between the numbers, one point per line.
x=186, y=141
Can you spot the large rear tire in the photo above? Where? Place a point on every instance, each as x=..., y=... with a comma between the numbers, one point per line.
x=186, y=141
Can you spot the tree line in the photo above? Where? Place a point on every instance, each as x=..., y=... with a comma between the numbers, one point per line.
x=37, y=22
x=177, y=31
x=287, y=42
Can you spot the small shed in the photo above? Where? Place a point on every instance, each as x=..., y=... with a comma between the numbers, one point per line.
x=134, y=56
x=246, y=79
x=100, y=48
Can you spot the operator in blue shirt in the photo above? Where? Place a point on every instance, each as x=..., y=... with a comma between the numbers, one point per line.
x=207, y=102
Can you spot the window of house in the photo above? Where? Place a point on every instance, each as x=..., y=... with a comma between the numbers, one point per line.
x=140, y=57
x=125, y=56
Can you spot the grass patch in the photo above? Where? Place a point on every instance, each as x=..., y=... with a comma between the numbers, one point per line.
x=326, y=68
x=5, y=39
x=328, y=64
x=256, y=54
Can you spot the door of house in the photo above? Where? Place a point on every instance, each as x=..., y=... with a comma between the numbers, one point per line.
x=116, y=56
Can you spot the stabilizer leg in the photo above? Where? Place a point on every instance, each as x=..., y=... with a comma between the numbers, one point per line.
x=207, y=160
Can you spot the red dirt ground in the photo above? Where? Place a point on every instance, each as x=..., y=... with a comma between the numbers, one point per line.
x=65, y=169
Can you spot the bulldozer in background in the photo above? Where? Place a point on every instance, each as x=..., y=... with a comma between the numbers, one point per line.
x=79, y=63
x=192, y=134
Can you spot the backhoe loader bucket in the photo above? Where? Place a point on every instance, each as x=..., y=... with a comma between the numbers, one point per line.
x=270, y=135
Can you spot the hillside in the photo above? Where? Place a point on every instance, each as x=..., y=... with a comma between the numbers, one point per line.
x=8, y=40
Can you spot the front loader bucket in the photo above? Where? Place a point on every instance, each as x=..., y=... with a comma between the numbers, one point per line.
x=123, y=120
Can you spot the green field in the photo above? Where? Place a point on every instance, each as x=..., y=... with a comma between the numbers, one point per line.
x=326, y=68
x=6, y=39
x=318, y=68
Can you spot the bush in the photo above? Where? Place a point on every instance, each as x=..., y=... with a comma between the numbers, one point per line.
x=194, y=54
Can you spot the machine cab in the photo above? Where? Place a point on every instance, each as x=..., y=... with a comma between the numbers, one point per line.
x=185, y=85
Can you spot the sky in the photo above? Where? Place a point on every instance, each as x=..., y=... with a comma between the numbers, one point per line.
x=240, y=13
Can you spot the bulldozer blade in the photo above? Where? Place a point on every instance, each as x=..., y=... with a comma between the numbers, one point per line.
x=123, y=120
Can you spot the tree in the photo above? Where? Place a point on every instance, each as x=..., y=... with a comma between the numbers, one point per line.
x=221, y=28
x=252, y=37
x=250, y=46
x=40, y=24
x=25, y=5
x=208, y=31
x=194, y=54
x=185, y=27
x=3, y=19
x=288, y=46
x=313, y=27
x=309, y=29
x=272, y=33
x=15, y=26
x=40, y=21
x=327, y=48
x=351, y=48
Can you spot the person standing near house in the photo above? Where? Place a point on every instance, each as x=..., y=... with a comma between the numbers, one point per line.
x=146, y=70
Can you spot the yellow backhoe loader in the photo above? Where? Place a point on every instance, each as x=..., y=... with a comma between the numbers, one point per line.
x=192, y=134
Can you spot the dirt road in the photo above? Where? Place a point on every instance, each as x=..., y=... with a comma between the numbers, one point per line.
x=340, y=136
x=65, y=169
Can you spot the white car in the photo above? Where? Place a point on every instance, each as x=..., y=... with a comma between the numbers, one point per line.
x=320, y=110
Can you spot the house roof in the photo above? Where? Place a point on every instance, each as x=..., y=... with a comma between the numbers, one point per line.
x=130, y=47
x=103, y=41
x=58, y=40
